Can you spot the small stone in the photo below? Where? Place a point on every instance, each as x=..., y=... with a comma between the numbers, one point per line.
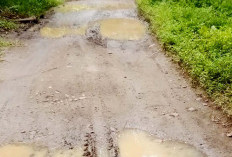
x=66, y=95
x=205, y=104
x=81, y=98
x=198, y=99
x=184, y=86
x=229, y=134
x=50, y=87
x=191, y=109
x=151, y=45
x=174, y=114
x=57, y=92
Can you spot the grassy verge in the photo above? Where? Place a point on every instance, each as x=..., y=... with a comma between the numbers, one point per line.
x=199, y=34
x=12, y=9
x=28, y=7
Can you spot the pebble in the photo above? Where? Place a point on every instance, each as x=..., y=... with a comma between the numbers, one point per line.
x=174, y=114
x=81, y=98
x=229, y=134
x=191, y=109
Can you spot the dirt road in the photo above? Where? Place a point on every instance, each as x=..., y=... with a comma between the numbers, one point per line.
x=90, y=74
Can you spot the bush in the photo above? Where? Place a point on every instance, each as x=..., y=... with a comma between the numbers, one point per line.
x=199, y=33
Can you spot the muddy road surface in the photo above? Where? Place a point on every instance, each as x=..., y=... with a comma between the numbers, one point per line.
x=91, y=82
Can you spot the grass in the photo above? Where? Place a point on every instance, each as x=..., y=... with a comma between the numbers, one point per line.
x=7, y=25
x=28, y=7
x=12, y=9
x=198, y=32
x=4, y=43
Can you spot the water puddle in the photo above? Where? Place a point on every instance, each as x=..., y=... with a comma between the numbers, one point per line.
x=116, y=6
x=50, y=32
x=122, y=29
x=71, y=8
x=68, y=153
x=134, y=143
x=30, y=151
x=80, y=7
x=22, y=151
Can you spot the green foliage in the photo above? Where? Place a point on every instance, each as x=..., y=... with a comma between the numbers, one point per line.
x=28, y=7
x=199, y=33
x=7, y=25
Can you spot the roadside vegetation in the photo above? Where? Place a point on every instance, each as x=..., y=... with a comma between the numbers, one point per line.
x=15, y=9
x=198, y=33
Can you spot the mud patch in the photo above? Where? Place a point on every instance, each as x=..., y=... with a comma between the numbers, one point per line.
x=134, y=143
x=50, y=32
x=93, y=35
x=122, y=29
x=22, y=151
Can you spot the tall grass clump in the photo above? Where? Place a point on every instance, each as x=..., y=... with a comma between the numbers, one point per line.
x=199, y=33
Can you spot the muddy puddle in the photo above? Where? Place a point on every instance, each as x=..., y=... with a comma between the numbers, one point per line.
x=22, y=150
x=71, y=8
x=50, y=32
x=134, y=143
x=122, y=29
x=80, y=7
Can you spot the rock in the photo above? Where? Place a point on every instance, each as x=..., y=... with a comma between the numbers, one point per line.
x=191, y=109
x=205, y=104
x=198, y=99
x=50, y=87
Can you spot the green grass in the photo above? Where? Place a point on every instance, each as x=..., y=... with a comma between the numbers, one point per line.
x=199, y=33
x=28, y=7
x=12, y=9
x=7, y=24
x=4, y=43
